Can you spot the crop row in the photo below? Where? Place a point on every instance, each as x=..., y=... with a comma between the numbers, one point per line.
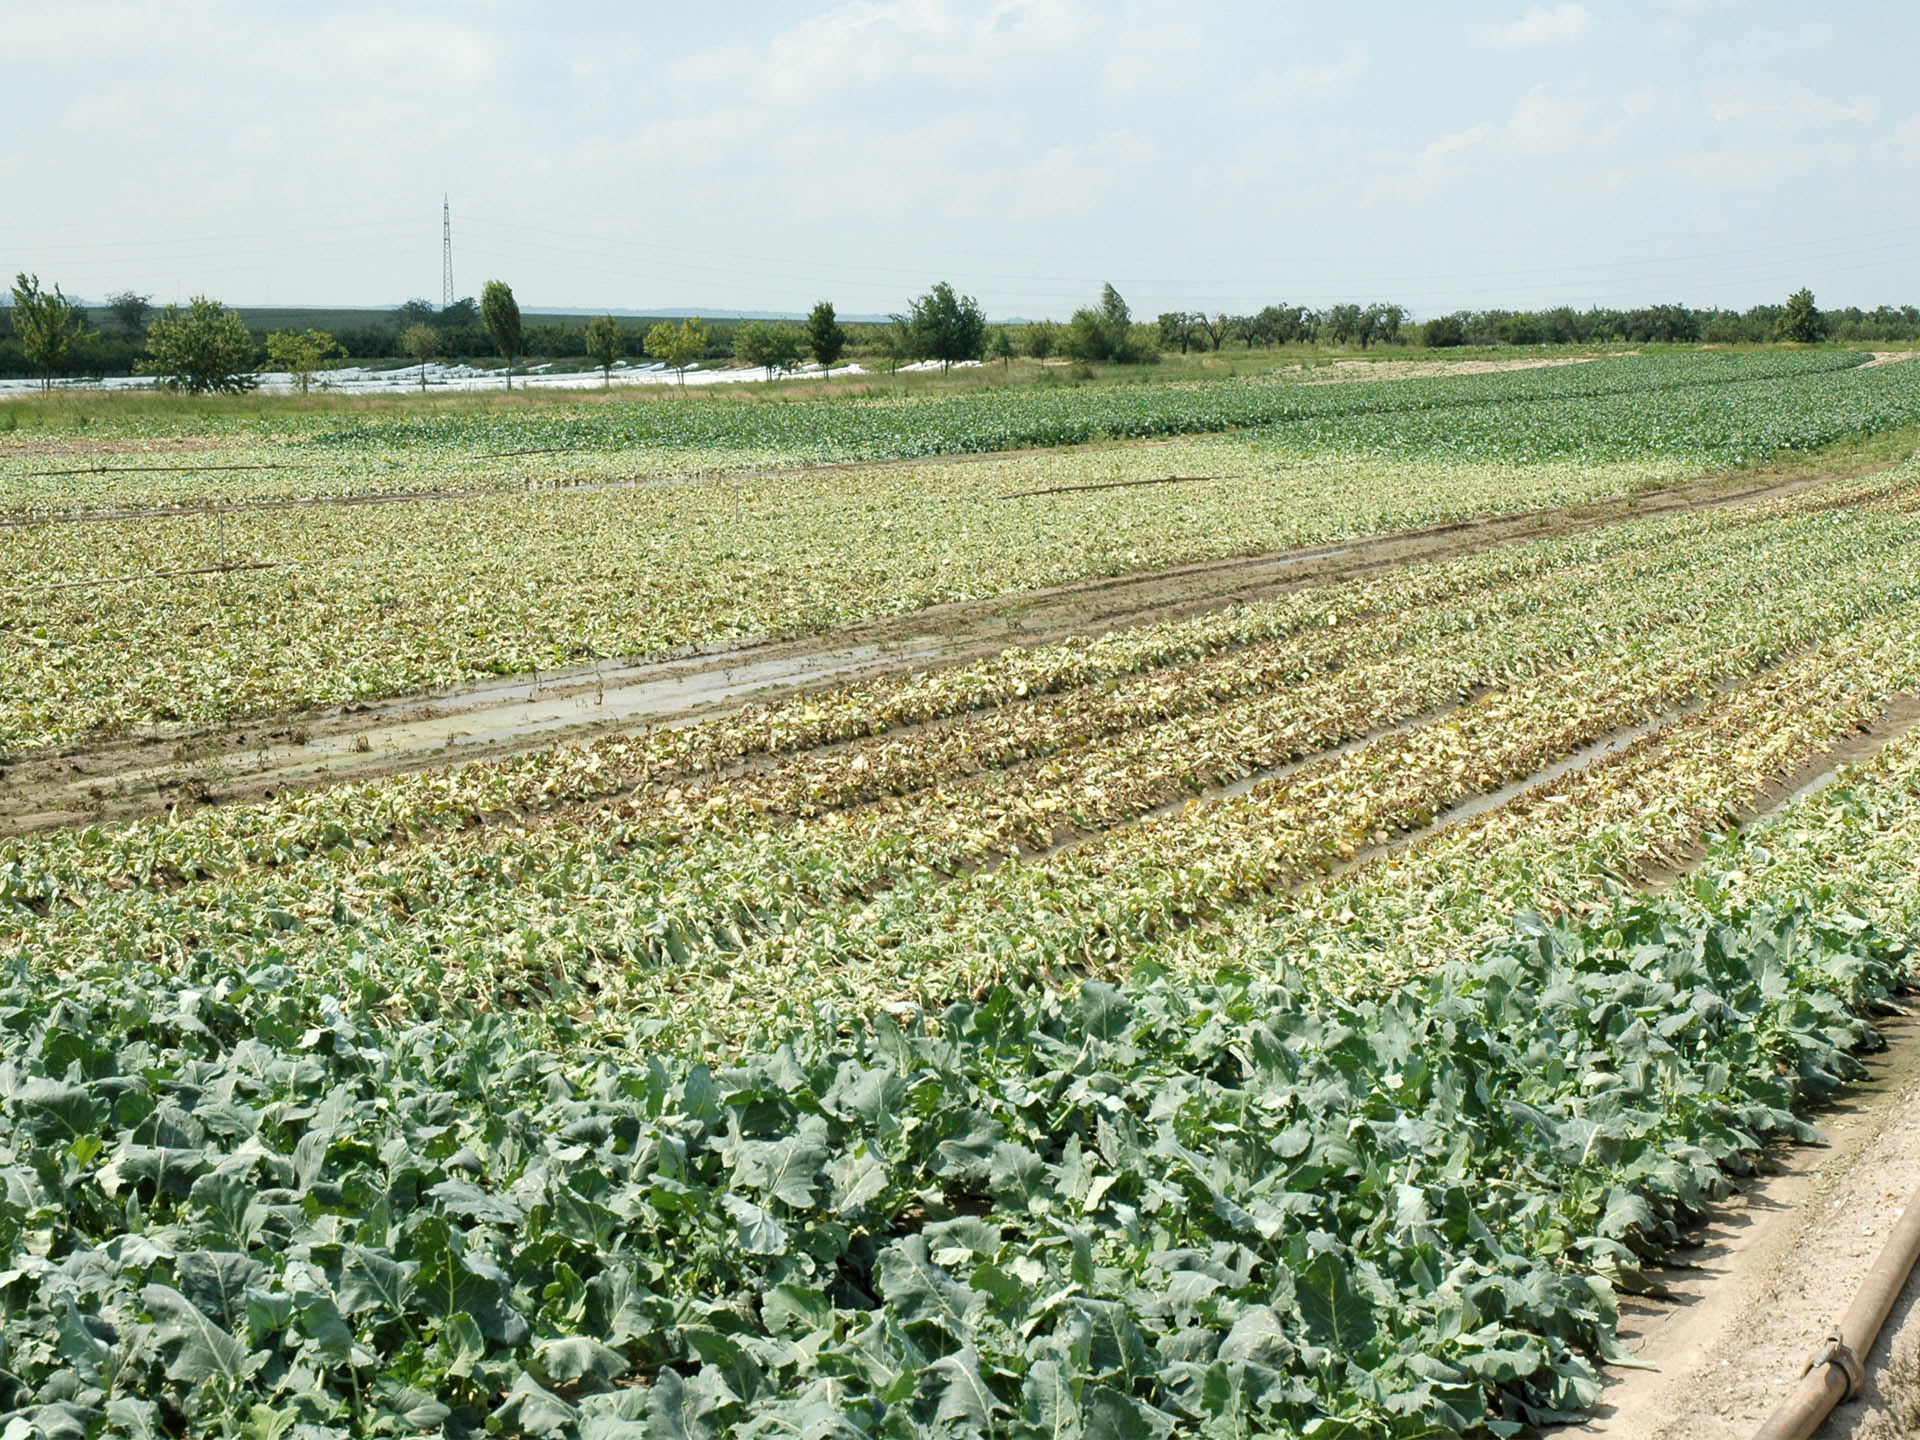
x=248, y=1201
x=1093, y=911
x=1046, y=416
x=1293, y=637
x=377, y=601
x=382, y=601
x=277, y=455
x=1843, y=847
x=699, y=908
x=1570, y=845
x=1481, y=635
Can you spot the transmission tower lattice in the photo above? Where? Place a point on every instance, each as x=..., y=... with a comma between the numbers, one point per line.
x=446, y=253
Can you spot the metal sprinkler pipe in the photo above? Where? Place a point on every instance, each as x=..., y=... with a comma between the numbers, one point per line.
x=1838, y=1369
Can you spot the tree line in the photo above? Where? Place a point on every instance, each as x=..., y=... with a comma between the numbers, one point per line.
x=206, y=345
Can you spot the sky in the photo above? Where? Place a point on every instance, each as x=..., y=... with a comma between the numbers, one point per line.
x=1217, y=154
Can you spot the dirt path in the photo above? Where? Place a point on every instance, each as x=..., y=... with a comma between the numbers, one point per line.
x=1775, y=1267
x=1776, y=1264
x=150, y=773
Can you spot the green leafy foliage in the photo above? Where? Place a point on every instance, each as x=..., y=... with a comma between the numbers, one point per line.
x=945, y=326
x=826, y=337
x=302, y=353
x=204, y=348
x=678, y=346
x=604, y=344
x=1625, y=406
x=500, y=313
x=49, y=326
x=1799, y=321
x=255, y=1204
x=773, y=346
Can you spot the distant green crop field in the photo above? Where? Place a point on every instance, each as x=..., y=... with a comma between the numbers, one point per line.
x=1703, y=409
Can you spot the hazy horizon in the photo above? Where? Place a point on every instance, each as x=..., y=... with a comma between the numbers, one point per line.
x=759, y=158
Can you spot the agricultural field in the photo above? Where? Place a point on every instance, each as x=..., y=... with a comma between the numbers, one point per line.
x=1306, y=1016
x=349, y=603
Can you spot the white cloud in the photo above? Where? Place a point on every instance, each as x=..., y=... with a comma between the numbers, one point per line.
x=1762, y=47
x=1765, y=102
x=1438, y=157
x=1904, y=138
x=1156, y=60
x=866, y=45
x=1564, y=24
x=1271, y=90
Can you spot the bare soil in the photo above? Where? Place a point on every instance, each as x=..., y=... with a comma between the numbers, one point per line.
x=1350, y=371
x=1775, y=1267
x=154, y=771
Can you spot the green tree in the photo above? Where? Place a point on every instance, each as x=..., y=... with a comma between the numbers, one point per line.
x=896, y=343
x=1443, y=332
x=1280, y=324
x=603, y=345
x=947, y=327
x=678, y=346
x=1104, y=333
x=301, y=353
x=1343, y=324
x=1043, y=338
x=1380, y=324
x=1177, y=328
x=130, y=311
x=772, y=346
x=826, y=339
x=415, y=312
x=49, y=325
x=1003, y=350
x=421, y=342
x=500, y=313
x=204, y=347
x=1800, y=322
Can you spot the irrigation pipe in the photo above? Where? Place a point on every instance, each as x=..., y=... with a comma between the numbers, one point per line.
x=222, y=569
x=1111, y=485
x=152, y=469
x=1838, y=1369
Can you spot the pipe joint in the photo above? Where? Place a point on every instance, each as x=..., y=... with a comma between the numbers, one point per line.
x=1834, y=1350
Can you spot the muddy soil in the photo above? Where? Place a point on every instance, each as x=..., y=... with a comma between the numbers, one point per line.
x=152, y=772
